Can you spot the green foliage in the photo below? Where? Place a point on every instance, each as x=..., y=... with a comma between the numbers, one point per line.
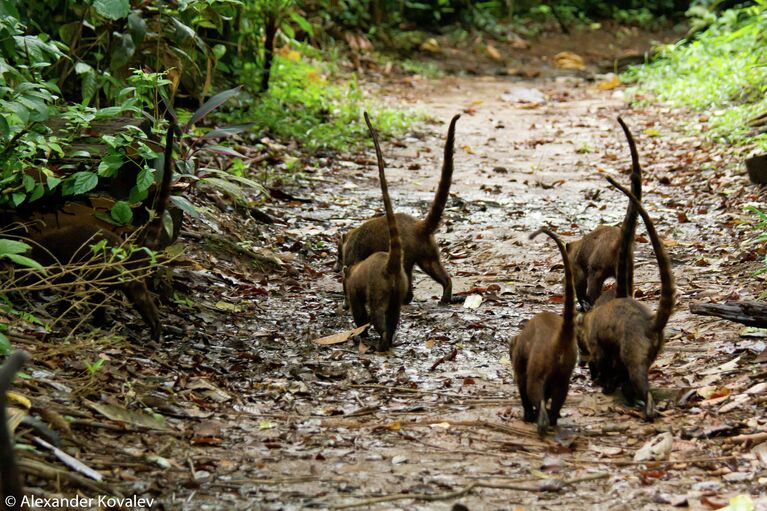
x=13, y=250
x=304, y=105
x=761, y=228
x=722, y=71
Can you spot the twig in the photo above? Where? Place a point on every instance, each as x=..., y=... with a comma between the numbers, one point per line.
x=447, y=358
x=651, y=462
x=45, y=471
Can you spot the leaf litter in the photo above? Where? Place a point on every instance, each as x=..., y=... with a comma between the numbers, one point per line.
x=237, y=405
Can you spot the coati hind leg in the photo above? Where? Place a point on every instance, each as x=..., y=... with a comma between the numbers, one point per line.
x=434, y=269
x=637, y=388
x=558, y=396
x=409, y=292
x=543, y=418
x=527, y=405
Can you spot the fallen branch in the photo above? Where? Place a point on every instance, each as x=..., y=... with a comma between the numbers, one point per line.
x=625, y=462
x=447, y=358
x=547, y=485
x=747, y=312
x=753, y=437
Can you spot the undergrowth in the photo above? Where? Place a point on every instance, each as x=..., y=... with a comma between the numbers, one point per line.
x=309, y=104
x=722, y=72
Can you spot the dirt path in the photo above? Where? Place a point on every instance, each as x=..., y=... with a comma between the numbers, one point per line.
x=318, y=427
x=261, y=418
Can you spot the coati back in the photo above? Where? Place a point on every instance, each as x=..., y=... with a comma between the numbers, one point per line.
x=544, y=353
x=623, y=337
x=608, y=251
x=376, y=287
x=420, y=247
x=11, y=489
x=71, y=244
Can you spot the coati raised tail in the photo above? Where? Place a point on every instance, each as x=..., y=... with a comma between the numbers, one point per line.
x=71, y=244
x=544, y=353
x=601, y=254
x=623, y=337
x=11, y=489
x=420, y=247
x=376, y=286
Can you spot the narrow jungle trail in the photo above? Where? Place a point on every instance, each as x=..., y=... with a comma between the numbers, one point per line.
x=328, y=426
x=257, y=416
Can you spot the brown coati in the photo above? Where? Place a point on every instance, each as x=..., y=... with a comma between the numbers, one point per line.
x=71, y=244
x=420, y=247
x=623, y=337
x=597, y=256
x=544, y=353
x=11, y=489
x=376, y=287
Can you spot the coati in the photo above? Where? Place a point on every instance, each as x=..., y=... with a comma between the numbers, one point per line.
x=71, y=244
x=420, y=247
x=376, y=287
x=623, y=337
x=597, y=256
x=544, y=353
x=11, y=489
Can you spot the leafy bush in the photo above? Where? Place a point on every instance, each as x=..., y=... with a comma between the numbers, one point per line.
x=722, y=71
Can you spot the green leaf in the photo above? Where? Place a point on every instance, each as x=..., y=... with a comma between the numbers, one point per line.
x=28, y=182
x=5, y=345
x=224, y=185
x=144, y=180
x=213, y=103
x=122, y=213
x=184, y=205
x=112, y=9
x=25, y=261
x=110, y=165
x=303, y=23
x=52, y=182
x=12, y=247
x=84, y=182
x=37, y=192
x=17, y=198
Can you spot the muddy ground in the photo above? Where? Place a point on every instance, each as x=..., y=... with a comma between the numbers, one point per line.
x=236, y=408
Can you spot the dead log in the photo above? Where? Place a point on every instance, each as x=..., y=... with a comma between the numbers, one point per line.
x=747, y=312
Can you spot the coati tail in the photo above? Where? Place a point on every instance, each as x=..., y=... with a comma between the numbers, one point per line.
x=624, y=275
x=666, y=302
x=10, y=482
x=152, y=234
x=394, y=264
x=568, y=316
x=431, y=222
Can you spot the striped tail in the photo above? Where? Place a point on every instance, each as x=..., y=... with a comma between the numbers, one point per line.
x=394, y=263
x=431, y=222
x=568, y=315
x=625, y=271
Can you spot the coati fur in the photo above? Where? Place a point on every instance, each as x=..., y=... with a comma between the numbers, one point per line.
x=10, y=480
x=622, y=336
x=544, y=354
x=598, y=255
x=420, y=247
x=376, y=286
x=71, y=244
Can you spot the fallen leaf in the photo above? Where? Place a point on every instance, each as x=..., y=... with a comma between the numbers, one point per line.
x=472, y=302
x=568, y=60
x=341, y=336
x=431, y=45
x=493, y=53
x=609, y=84
x=657, y=449
x=468, y=149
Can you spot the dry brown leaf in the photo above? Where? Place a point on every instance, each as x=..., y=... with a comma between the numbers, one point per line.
x=568, y=60
x=340, y=336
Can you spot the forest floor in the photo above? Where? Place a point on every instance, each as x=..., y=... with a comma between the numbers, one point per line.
x=257, y=416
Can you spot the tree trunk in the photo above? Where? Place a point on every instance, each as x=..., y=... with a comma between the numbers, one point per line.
x=750, y=313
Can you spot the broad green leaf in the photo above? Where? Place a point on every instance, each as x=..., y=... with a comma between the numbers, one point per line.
x=144, y=180
x=121, y=212
x=224, y=185
x=52, y=182
x=112, y=9
x=84, y=182
x=25, y=261
x=184, y=205
x=302, y=22
x=213, y=103
x=110, y=165
x=12, y=247
x=5, y=345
